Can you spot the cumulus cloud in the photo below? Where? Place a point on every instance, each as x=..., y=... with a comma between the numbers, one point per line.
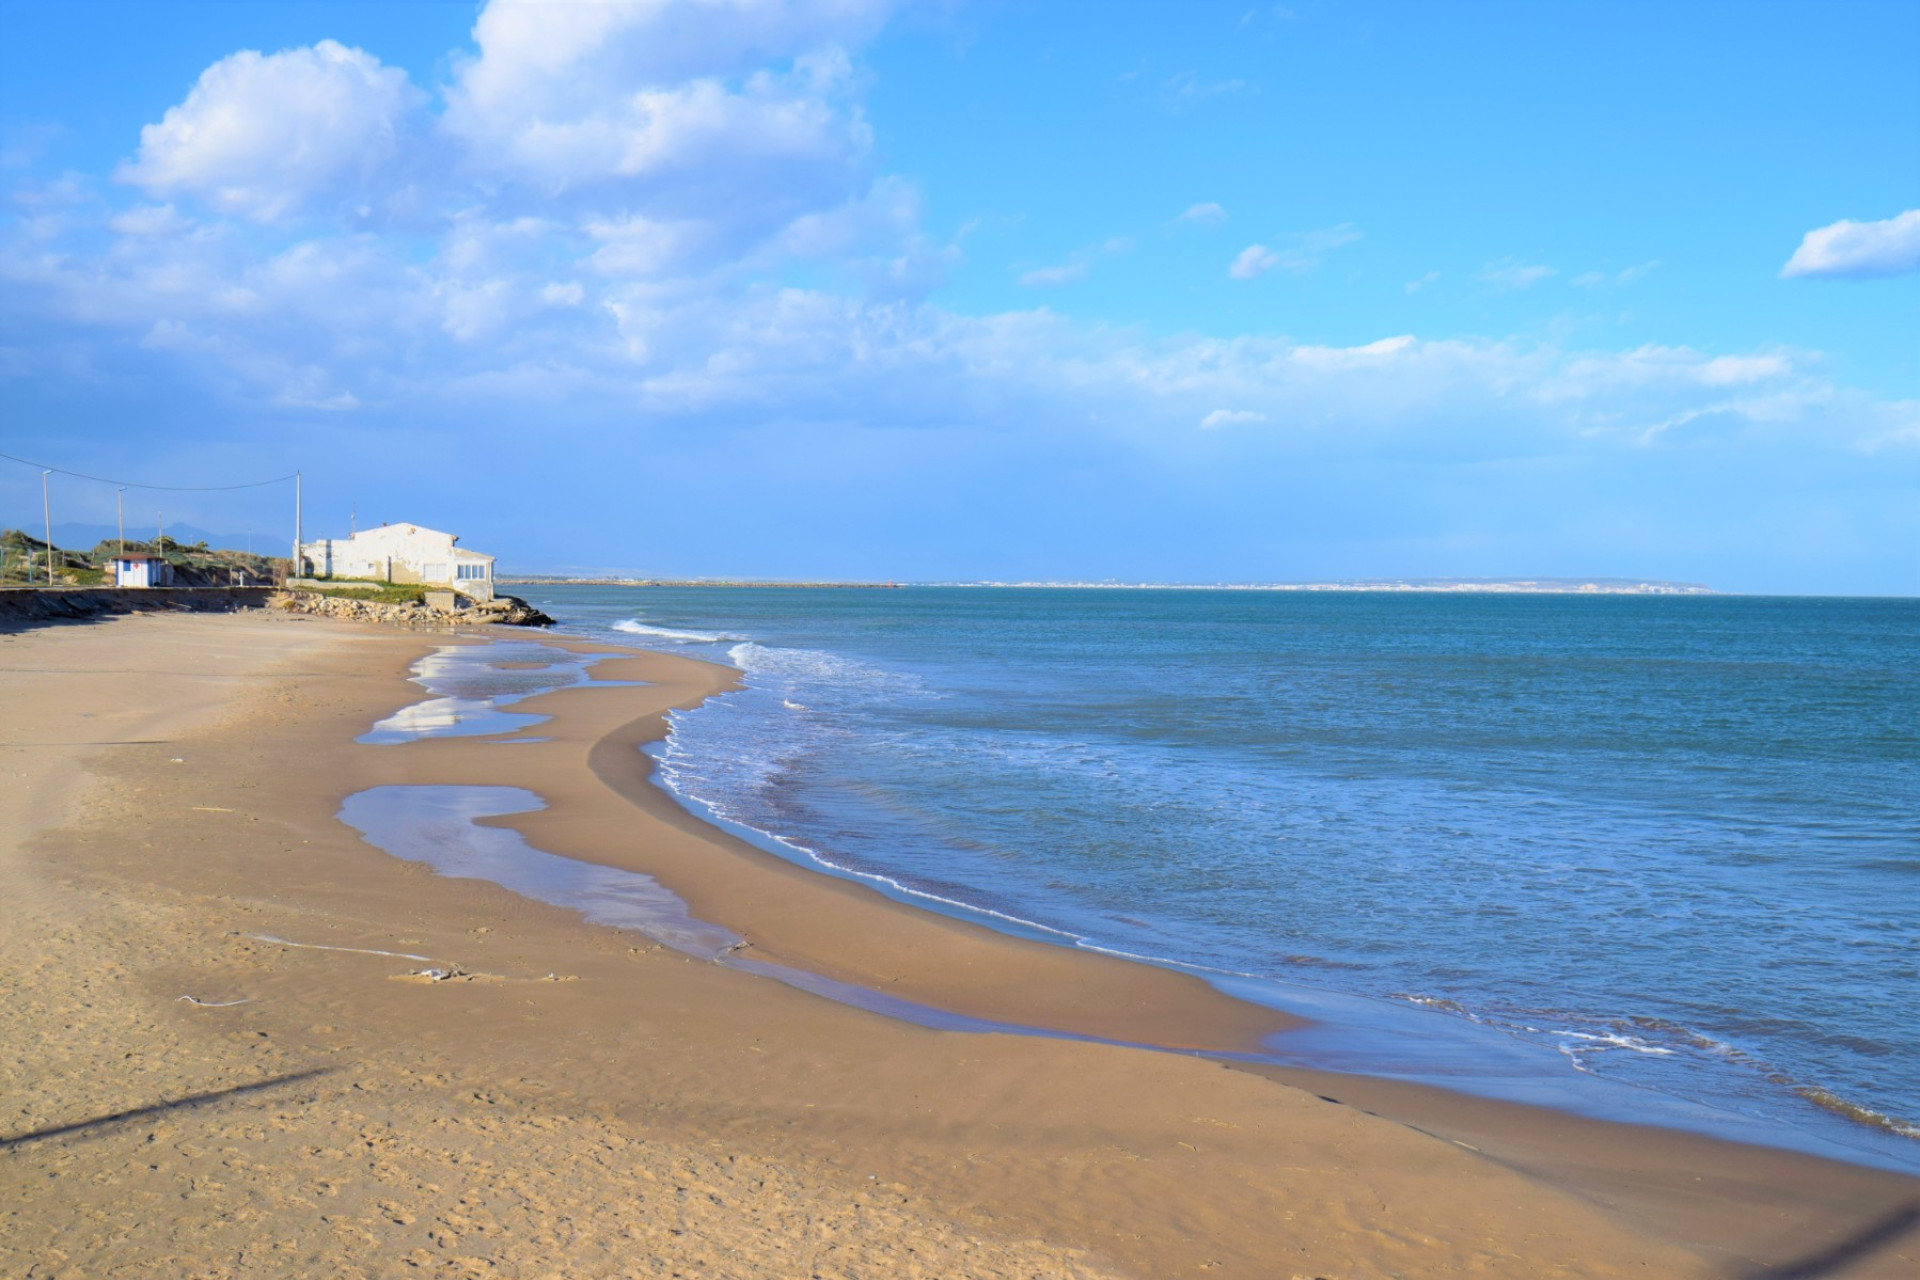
x=566, y=95
x=262, y=135
x=1858, y=249
x=561, y=58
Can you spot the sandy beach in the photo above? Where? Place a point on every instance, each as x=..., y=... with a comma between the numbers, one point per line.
x=217, y=1060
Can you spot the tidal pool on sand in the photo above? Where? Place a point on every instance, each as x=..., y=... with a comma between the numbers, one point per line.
x=472, y=682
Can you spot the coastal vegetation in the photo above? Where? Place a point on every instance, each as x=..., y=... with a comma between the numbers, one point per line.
x=370, y=590
x=24, y=561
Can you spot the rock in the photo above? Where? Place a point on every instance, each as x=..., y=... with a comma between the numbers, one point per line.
x=508, y=611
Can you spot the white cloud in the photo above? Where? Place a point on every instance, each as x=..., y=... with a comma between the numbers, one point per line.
x=1604, y=279
x=672, y=140
x=1252, y=262
x=1888, y=247
x=665, y=294
x=1078, y=266
x=1299, y=253
x=756, y=93
x=149, y=220
x=605, y=228
x=1511, y=276
x=642, y=246
x=1349, y=357
x=1735, y=371
x=262, y=135
x=563, y=58
x=1052, y=277
x=1189, y=87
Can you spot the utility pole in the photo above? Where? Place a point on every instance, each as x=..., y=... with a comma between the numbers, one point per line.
x=46, y=509
x=120, y=506
x=294, y=569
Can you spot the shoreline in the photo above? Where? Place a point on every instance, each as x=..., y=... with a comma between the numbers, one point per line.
x=1434, y=586
x=1583, y=1097
x=1486, y=1050
x=1061, y=1145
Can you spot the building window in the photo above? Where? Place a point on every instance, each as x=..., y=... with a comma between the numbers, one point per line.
x=472, y=572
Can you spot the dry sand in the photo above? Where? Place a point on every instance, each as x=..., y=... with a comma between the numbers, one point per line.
x=591, y=1105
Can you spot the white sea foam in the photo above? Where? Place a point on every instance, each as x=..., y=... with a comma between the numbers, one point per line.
x=635, y=627
x=1612, y=1040
x=796, y=671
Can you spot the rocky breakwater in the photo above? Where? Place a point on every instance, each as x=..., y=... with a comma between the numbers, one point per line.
x=505, y=611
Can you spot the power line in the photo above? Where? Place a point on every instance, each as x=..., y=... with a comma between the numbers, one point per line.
x=166, y=488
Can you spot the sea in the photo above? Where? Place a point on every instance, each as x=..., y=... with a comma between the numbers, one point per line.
x=1652, y=858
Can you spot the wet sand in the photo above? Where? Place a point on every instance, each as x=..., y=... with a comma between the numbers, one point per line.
x=587, y=1103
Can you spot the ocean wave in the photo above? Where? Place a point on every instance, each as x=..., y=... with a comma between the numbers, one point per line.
x=1441, y=1003
x=1867, y=1116
x=635, y=627
x=776, y=660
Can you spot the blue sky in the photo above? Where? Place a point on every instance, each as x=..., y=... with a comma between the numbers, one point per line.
x=862, y=289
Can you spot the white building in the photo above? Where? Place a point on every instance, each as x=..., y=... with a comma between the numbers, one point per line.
x=137, y=569
x=401, y=553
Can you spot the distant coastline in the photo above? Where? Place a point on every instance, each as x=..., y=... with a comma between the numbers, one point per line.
x=1485, y=586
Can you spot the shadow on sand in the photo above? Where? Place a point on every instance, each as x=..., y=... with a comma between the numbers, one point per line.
x=1869, y=1238
x=187, y=1103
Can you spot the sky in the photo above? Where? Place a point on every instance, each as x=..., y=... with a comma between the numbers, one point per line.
x=860, y=289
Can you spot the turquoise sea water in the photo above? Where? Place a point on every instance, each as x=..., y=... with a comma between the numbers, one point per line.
x=1671, y=844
